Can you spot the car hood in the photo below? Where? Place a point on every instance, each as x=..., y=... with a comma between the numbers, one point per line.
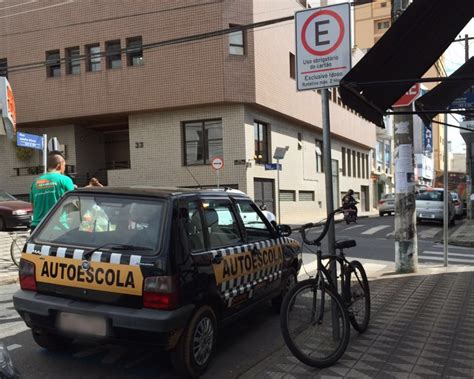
x=14, y=205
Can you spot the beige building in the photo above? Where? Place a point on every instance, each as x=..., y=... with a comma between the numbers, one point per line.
x=151, y=114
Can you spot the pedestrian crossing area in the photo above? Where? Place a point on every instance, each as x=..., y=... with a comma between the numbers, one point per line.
x=456, y=255
x=385, y=231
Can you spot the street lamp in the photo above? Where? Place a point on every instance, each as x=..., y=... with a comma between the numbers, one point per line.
x=279, y=154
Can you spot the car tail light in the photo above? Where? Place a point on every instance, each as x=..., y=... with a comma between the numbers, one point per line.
x=27, y=275
x=381, y=202
x=160, y=292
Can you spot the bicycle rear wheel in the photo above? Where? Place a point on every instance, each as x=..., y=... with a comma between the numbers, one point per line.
x=16, y=248
x=357, y=295
x=309, y=329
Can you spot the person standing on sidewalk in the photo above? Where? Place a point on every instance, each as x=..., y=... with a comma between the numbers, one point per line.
x=48, y=188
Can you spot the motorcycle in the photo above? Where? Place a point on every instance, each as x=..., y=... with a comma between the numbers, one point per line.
x=350, y=214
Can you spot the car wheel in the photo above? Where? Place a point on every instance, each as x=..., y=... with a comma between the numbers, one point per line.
x=192, y=354
x=291, y=281
x=2, y=224
x=381, y=214
x=51, y=341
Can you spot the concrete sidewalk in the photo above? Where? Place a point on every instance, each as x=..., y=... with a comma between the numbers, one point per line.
x=464, y=235
x=8, y=270
x=421, y=326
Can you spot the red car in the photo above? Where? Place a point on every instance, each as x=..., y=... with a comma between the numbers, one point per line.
x=14, y=213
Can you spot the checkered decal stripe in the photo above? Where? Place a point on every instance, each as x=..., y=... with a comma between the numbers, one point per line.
x=78, y=254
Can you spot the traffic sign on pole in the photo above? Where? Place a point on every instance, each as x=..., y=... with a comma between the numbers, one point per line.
x=323, y=46
x=217, y=163
x=408, y=97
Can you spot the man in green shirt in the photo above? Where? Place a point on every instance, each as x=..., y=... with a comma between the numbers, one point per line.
x=47, y=189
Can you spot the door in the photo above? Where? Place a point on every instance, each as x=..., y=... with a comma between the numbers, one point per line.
x=364, y=198
x=264, y=193
x=335, y=182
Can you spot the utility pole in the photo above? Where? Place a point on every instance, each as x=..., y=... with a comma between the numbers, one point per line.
x=469, y=151
x=406, y=244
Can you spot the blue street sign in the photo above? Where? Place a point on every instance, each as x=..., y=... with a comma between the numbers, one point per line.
x=427, y=139
x=465, y=101
x=273, y=166
x=29, y=140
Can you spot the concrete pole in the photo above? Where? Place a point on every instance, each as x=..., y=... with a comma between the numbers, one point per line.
x=45, y=153
x=446, y=195
x=406, y=246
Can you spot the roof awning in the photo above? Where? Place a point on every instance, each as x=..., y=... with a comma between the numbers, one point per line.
x=440, y=97
x=405, y=52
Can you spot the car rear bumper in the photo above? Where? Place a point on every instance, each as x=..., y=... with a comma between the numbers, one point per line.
x=429, y=214
x=12, y=222
x=157, y=327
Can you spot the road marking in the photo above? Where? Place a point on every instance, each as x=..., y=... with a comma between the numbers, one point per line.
x=391, y=234
x=13, y=347
x=455, y=260
x=375, y=229
x=453, y=247
x=429, y=233
x=353, y=227
x=449, y=254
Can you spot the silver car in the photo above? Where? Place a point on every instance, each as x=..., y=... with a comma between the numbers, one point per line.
x=387, y=204
x=458, y=205
x=429, y=205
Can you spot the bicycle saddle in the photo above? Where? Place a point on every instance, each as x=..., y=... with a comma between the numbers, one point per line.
x=344, y=244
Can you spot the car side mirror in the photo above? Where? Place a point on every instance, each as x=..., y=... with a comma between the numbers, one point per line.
x=284, y=230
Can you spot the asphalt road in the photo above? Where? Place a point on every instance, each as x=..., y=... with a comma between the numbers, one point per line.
x=240, y=345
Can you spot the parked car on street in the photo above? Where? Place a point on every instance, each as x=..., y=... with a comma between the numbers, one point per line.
x=164, y=267
x=458, y=205
x=429, y=205
x=387, y=204
x=14, y=213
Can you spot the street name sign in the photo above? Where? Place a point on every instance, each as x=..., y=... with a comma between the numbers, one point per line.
x=323, y=46
x=466, y=101
x=469, y=124
x=273, y=166
x=409, y=96
x=29, y=140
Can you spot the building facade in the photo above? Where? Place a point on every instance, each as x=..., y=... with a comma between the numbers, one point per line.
x=132, y=106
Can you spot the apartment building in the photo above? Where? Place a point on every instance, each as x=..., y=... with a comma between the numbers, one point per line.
x=132, y=106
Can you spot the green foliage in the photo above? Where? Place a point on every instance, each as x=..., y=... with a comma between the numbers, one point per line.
x=22, y=153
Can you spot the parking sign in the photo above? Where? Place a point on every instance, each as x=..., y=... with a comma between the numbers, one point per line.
x=323, y=46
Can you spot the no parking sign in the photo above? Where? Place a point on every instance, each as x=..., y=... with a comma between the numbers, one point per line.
x=323, y=46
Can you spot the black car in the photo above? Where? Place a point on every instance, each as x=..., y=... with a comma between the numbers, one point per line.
x=156, y=266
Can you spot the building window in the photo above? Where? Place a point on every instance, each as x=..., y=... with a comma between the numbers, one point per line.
x=349, y=167
x=292, y=66
x=93, y=57
x=358, y=164
x=388, y=156
x=367, y=165
x=354, y=164
x=73, y=62
x=287, y=195
x=261, y=142
x=306, y=195
x=4, y=67
x=236, y=41
x=344, y=161
x=113, y=54
x=362, y=156
x=379, y=153
x=382, y=25
x=202, y=141
x=319, y=155
x=53, y=64
x=134, y=51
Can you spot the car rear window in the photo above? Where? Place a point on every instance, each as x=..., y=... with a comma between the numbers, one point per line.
x=430, y=196
x=93, y=221
x=388, y=196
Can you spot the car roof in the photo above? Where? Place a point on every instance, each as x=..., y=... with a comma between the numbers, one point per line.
x=161, y=192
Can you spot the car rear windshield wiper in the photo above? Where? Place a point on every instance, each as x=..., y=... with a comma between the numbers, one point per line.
x=114, y=246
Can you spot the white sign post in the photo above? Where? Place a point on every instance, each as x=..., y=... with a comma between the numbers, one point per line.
x=323, y=46
x=217, y=164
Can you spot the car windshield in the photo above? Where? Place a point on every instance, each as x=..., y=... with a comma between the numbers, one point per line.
x=91, y=221
x=430, y=196
x=5, y=196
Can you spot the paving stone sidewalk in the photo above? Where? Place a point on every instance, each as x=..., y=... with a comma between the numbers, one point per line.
x=421, y=326
x=8, y=270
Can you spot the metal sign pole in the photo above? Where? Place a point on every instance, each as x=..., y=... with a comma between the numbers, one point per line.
x=45, y=153
x=278, y=190
x=446, y=196
x=218, y=175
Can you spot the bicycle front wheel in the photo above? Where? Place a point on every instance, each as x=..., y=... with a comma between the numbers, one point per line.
x=17, y=247
x=315, y=324
x=357, y=296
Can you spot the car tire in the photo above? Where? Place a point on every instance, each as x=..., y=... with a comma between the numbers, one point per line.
x=381, y=214
x=186, y=356
x=291, y=281
x=51, y=341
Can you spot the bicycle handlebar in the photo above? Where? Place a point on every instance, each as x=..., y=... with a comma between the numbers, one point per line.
x=323, y=233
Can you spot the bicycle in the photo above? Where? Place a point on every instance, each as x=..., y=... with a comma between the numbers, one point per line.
x=16, y=247
x=315, y=319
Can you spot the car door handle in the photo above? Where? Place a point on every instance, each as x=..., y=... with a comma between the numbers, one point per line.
x=217, y=258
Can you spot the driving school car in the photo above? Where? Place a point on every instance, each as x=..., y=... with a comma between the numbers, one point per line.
x=156, y=266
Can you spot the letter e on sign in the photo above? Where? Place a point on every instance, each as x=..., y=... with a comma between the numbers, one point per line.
x=408, y=97
x=217, y=163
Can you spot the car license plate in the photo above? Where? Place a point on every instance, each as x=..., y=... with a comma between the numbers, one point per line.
x=82, y=324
